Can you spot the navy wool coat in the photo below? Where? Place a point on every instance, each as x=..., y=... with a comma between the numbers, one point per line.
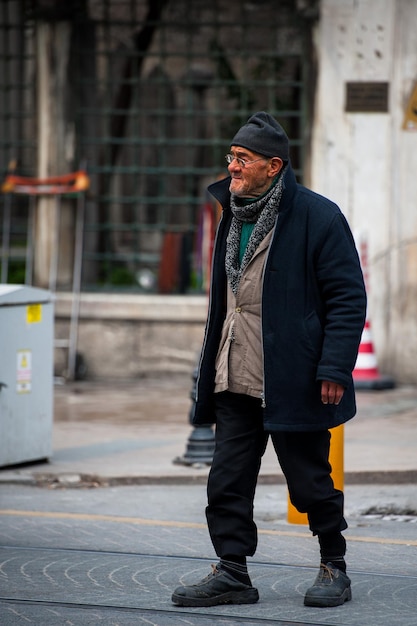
x=313, y=312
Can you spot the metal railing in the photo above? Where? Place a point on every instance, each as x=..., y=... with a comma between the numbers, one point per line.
x=157, y=91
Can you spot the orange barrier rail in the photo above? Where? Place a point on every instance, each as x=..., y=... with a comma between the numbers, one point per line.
x=67, y=183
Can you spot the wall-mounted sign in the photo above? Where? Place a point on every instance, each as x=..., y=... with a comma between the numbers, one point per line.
x=410, y=118
x=367, y=97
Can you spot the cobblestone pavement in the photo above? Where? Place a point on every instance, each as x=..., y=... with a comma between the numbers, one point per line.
x=113, y=555
x=104, y=531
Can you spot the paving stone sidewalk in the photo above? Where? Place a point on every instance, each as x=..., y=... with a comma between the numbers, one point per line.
x=139, y=431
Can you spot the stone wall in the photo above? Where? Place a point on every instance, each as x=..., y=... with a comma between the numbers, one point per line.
x=129, y=336
x=366, y=160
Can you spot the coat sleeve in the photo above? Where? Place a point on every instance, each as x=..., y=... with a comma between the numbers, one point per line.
x=342, y=288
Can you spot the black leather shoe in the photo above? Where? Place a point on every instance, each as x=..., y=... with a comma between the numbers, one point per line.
x=219, y=587
x=331, y=587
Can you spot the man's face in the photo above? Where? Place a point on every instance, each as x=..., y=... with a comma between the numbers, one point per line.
x=252, y=179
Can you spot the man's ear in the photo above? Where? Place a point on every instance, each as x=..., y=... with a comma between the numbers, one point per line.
x=276, y=165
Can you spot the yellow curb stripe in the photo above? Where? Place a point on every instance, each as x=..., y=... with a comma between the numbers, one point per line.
x=138, y=521
x=101, y=518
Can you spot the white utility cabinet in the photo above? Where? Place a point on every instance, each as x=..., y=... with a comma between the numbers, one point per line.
x=26, y=374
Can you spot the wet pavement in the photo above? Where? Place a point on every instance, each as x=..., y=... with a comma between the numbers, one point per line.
x=113, y=556
x=104, y=531
x=139, y=431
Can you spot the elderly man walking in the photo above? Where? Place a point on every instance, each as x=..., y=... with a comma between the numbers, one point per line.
x=286, y=313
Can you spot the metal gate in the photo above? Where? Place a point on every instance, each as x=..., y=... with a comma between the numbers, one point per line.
x=158, y=88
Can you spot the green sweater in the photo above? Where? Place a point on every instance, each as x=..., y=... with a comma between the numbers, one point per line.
x=247, y=228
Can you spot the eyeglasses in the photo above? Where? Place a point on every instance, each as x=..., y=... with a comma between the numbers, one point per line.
x=241, y=162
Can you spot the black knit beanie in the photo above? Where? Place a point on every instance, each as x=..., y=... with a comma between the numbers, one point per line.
x=263, y=134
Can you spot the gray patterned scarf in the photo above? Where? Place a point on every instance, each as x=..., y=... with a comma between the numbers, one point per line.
x=264, y=213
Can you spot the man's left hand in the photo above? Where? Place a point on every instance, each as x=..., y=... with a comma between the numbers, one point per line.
x=331, y=393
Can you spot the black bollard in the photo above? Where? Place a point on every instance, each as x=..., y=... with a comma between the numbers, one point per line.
x=200, y=444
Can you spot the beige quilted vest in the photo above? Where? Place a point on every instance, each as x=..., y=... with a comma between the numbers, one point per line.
x=239, y=362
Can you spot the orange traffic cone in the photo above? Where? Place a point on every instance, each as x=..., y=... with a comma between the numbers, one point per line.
x=366, y=374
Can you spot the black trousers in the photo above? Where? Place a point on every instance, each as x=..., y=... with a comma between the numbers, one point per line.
x=240, y=444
